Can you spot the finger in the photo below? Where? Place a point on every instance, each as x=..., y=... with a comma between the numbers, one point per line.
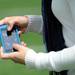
x=8, y=22
x=20, y=32
x=1, y=51
x=2, y=22
x=24, y=44
x=7, y=55
x=10, y=26
x=18, y=47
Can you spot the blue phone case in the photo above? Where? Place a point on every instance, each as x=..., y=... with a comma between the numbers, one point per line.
x=8, y=38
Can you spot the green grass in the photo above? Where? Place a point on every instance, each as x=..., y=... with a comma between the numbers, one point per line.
x=33, y=40
x=19, y=7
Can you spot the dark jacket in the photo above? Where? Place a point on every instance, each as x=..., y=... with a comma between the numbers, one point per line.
x=52, y=30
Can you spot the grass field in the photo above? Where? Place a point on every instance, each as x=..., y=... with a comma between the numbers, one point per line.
x=33, y=40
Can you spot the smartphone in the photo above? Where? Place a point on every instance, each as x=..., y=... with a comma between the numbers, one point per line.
x=8, y=38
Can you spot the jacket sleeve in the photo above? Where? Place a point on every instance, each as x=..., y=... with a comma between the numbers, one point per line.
x=52, y=61
x=35, y=23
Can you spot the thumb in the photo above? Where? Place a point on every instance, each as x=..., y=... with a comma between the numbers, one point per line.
x=18, y=47
x=10, y=27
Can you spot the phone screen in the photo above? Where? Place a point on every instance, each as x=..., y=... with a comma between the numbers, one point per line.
x=8, y=38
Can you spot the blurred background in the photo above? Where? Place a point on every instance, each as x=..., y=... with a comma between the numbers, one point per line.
x=33, y=40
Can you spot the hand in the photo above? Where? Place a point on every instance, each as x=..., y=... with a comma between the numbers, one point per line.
x=20, y=21
x=18, y=56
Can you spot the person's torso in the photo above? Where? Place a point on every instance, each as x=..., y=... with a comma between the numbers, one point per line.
x=64, y=10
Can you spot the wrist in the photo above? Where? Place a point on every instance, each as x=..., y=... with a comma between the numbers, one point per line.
x=26, y=19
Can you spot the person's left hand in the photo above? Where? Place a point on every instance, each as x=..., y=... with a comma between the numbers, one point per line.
x=18, y=56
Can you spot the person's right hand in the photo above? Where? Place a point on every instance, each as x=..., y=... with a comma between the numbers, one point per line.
x=20, y=21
